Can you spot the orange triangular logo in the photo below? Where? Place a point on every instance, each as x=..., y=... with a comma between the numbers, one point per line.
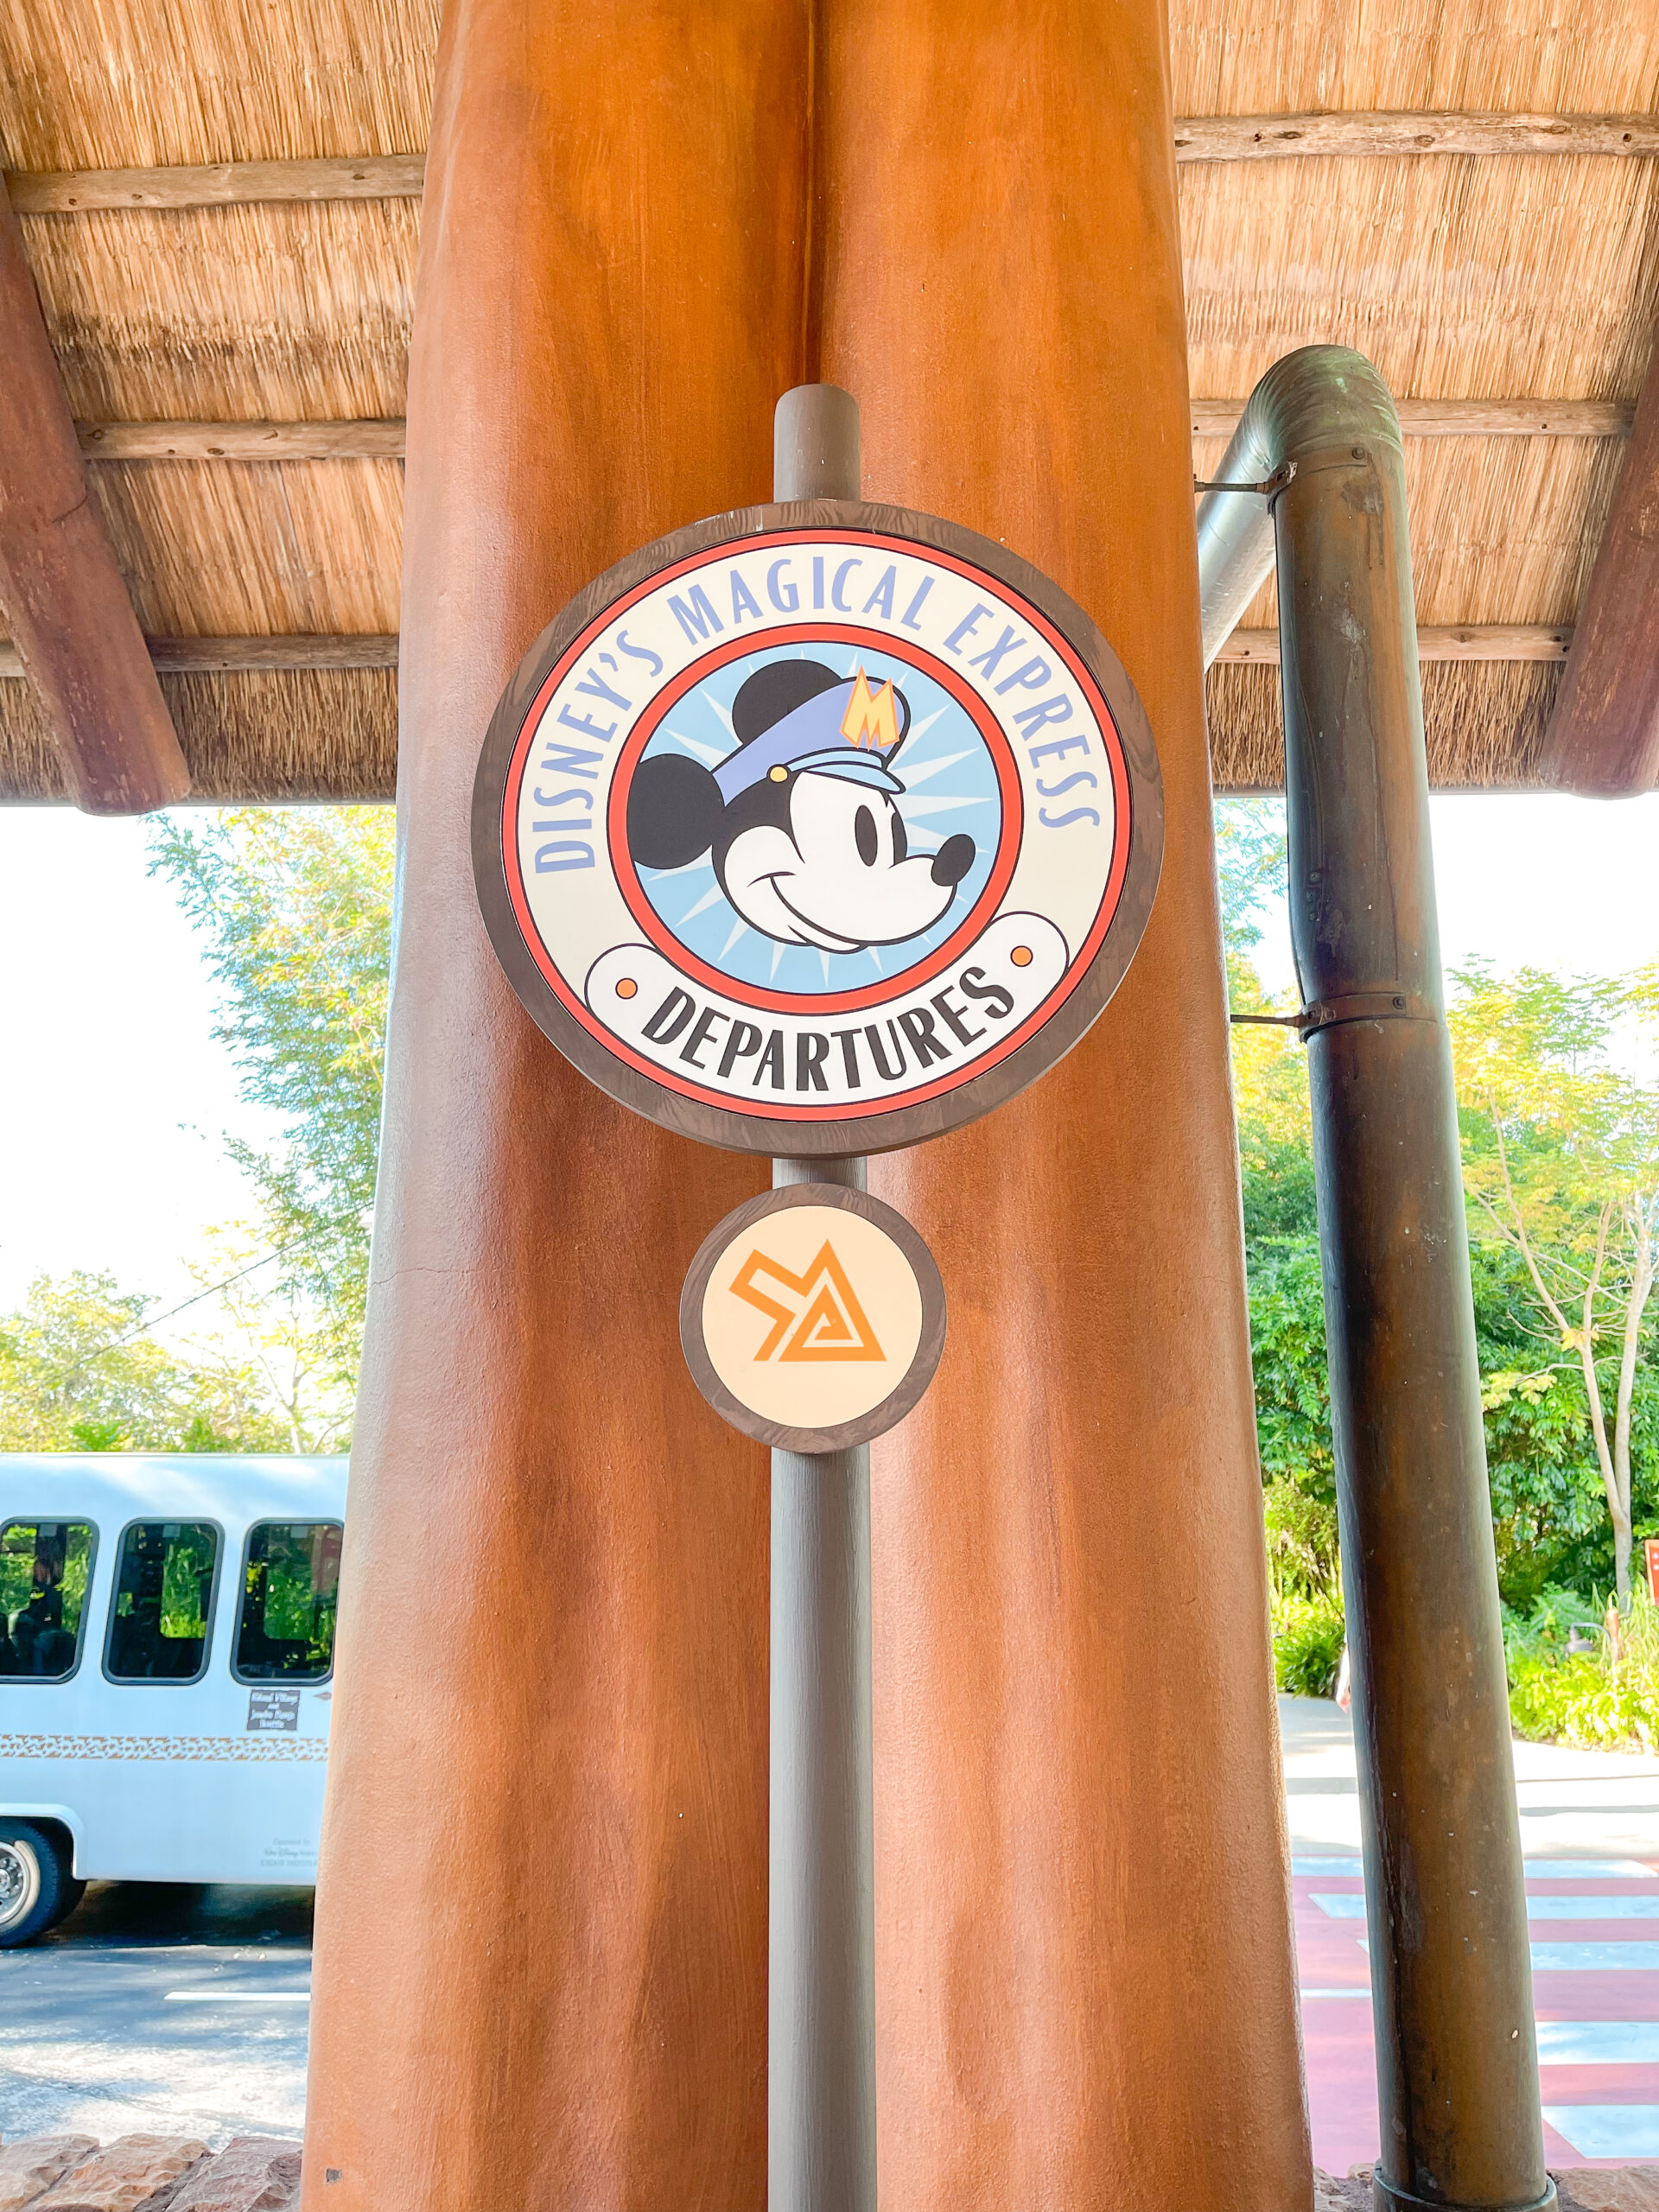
x=828, y=1323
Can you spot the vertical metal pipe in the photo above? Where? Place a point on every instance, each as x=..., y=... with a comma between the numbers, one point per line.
x=1446, y=1904
x=821, y=1995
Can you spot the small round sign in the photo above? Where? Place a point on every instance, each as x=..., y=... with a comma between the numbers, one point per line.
x=817, y=829
x=813, y=1317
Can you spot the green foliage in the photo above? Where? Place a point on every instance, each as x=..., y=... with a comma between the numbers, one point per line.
x=1607, y=1697
x=78, y=1373
x=1561, y=1168
x=1301, y=1528
x=296, y=907
x=1293, y=1396
x=1251, y=866
x=1558, y=1143
x=1308, y=1635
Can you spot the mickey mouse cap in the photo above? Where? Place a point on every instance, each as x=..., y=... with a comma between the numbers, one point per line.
x=847, y=731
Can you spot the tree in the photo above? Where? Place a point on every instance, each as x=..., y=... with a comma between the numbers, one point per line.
x=295, y=904
x=1561, y=1168
x=81, y=1371
x=271, y=1335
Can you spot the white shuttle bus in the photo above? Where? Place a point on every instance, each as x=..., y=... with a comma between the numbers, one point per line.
x=167, y=1646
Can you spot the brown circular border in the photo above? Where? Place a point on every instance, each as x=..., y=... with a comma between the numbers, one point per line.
x=901, y=1126
x=897, y=1402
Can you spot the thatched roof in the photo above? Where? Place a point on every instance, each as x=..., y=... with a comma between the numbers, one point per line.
x=1489, y=276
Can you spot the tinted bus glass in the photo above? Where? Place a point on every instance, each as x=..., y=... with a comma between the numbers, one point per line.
x=164, y=1601
x=291, y=1588
x=43, y=1570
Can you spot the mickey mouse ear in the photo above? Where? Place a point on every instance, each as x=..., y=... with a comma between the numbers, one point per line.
x=674, y=810
x=776, y=690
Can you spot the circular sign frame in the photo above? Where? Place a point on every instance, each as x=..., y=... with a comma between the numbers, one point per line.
x=923, y=1360
x=1067, y=986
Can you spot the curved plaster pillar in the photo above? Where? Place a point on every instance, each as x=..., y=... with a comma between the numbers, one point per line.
x=1084, y=1974
x=541, y=1956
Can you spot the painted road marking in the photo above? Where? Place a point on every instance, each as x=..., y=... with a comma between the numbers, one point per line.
x=1608, y=2131
x=237, y=1997
x=1538, y=1870
x=1595, y=1958
x=1582, y=1958
x=1549, y=1908
x=1588, y=1870
x=1599, y=2042
x=1349, y=1904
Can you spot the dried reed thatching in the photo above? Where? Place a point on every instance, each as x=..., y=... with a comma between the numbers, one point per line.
x=1484, y=722
x=112, y=84
x=287, y=735
x=290, y=313
x=1504, y=277
x=1460, y=278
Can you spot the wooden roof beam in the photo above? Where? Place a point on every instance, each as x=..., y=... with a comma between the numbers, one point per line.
x=233, y=656
x=1436, y=641
x=381, y=439
x=1603, y=738
x=219, y=184
x=1463, y=418
x=1459, y=641
x=378, y=439
x=73, y=624
x=1359, y=135
x=1354, y=135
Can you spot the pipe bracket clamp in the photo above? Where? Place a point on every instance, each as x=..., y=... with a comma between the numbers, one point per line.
x=1388, y=2197
x=1362, y=1006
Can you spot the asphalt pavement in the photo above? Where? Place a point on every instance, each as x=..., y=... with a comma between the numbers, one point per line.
x=172, y=2008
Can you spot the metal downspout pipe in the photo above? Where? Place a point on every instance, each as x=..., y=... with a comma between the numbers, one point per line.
x=1445, y=1900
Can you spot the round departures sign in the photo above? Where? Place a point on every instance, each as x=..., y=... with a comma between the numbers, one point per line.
x=818, y=837
x=813, y=1317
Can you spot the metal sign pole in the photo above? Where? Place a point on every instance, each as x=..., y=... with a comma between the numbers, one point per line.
x=725, y=718
x=821, y=1996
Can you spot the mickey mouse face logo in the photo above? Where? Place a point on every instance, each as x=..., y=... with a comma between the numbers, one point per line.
x=812, y=824
x=816, y=831
x=803, y=821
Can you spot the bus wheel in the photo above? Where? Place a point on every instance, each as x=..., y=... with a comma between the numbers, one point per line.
x=33, y=1879
x=69, y=1898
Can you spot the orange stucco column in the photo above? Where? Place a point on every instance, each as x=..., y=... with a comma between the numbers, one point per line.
x=1083, y=1963
x=540, y=1970
x=540, y=1974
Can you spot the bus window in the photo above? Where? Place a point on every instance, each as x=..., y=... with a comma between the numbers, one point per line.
x=164, y=1601
x=290, y=1588
x=44, y=1566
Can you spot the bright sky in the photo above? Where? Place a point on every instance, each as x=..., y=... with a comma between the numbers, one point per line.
x=1570, y=884
x=115, y=1096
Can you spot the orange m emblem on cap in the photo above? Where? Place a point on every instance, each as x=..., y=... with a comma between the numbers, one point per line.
x=872, y=718
x=828, y=1323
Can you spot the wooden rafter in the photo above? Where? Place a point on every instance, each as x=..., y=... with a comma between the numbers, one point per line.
x=1198, y=138
x=1465, y=418
x=1443, y=641
x=77, y=638
x=383, y=439
x=227, y=656
x=1603, y=737
x=1491, y=641
x=373, y=440
x=1386, y=134
x=222, y=184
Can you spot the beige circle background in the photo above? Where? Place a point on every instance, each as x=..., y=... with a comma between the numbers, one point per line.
x=815, y=1394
